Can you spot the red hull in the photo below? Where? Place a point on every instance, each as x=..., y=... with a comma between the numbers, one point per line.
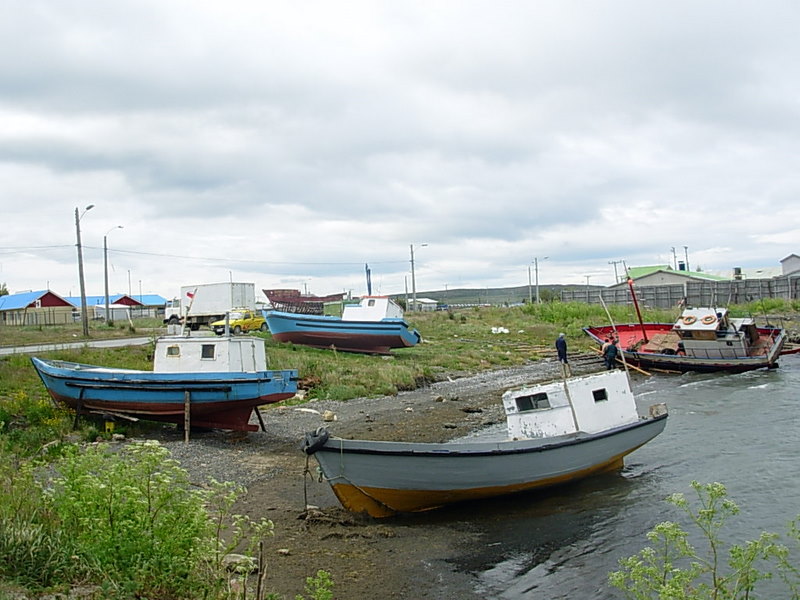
x=229, y=414
x=763, y=353
x=345, y=342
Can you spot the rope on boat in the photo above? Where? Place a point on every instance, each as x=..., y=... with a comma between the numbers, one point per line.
x=312, y=442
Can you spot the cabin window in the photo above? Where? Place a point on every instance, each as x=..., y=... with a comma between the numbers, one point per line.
x=207, y=351
x=533, y=402
x=371, y=302
x=173, y=350
x=600, y=395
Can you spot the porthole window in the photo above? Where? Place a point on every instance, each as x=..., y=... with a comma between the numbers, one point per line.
x=207, y=351
x=173, y=350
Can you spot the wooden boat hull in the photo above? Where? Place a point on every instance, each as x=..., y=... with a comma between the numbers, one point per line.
x=385, y=478
x=765, y=353
x=369, y=337
x=217, y=400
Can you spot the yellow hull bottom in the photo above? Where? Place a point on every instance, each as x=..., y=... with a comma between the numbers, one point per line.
x=385, y=502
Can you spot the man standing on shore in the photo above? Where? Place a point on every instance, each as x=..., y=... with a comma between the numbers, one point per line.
x=610, y=355
x=561, y=348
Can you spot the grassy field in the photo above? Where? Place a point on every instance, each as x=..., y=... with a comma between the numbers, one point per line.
x=454, y=343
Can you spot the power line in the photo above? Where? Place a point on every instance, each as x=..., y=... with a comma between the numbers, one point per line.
x=248, y=260
x=203, y=258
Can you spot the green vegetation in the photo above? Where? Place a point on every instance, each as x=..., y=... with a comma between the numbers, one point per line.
x=22, y=335
x=671, y=568
x=128, y=522
x=125, y=522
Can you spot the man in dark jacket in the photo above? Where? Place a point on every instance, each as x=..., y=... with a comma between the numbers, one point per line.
x=561, y=348
x=610, y=355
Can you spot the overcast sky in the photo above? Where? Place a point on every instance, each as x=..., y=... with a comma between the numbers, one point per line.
x=290, y=143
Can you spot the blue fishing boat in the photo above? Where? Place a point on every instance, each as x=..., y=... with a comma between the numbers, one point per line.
x=214, y=382
x=373, y=326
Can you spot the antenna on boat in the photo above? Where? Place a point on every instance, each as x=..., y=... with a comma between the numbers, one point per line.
x=638, y=312
x=614, y=329
x=188, y=308
x=569, y=397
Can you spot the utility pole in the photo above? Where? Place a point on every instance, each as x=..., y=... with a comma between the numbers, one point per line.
x=536, y=269
x=530, y=292
x=686, y=255
x=674, y=259
x=413, y=279
x=109, y=318
x=84, y=309
x=615, y=263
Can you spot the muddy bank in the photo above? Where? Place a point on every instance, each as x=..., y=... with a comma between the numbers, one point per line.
x=401, y=557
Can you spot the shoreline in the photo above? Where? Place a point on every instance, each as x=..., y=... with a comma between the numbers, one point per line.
x=407, y=556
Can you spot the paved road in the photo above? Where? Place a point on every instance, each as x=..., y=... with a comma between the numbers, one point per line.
x=113, y=343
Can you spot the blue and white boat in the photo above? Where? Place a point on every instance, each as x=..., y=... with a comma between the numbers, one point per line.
x=373, y=326
x=215, y=382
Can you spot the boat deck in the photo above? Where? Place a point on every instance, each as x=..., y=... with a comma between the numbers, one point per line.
x=661, y=339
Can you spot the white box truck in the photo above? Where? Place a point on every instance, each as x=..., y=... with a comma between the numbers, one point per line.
x=204, y=303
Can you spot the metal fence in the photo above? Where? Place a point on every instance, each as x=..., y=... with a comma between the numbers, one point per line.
x=693, y=293
x=37, y=317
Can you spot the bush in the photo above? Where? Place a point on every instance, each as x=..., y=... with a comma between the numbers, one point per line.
x=126, y=518
x=672, y=569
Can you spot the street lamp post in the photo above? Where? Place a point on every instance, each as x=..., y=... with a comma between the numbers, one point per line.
x=536, y=269
x=109, y=319
x=413, y=280
x=530, y=289
x=84, y=310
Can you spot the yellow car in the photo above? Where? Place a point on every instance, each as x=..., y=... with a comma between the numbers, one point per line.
x=240, y=321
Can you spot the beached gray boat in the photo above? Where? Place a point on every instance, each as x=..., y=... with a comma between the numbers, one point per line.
x=557, y=432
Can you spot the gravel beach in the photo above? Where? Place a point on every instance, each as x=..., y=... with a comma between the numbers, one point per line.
x=402, y=558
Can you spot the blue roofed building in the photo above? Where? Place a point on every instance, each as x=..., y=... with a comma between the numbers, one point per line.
x=42, y=307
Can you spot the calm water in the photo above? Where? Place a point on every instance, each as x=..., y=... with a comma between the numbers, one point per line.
x=741, y=430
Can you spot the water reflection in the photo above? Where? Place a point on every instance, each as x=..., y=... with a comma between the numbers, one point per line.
x=741, y=430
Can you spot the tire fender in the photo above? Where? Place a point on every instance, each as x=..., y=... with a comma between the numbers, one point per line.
x=314, y=440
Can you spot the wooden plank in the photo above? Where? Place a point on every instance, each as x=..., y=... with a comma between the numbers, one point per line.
x=187, y=403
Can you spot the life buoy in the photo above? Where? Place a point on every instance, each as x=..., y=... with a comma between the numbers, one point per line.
x=314, y=440
x=689, y=319
x=708, y=319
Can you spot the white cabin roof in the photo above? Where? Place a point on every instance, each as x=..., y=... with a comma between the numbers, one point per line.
x=590, y=404
x=700, y=319
x=206, y=354
x=372, y=308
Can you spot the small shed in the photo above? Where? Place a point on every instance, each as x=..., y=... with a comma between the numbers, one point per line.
x=665, y=275
x=790, y=264
x=424, y=304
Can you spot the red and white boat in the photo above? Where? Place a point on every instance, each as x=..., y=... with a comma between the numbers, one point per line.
x=702, y=339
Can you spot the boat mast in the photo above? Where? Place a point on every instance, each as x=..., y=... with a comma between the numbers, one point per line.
x=638, y=312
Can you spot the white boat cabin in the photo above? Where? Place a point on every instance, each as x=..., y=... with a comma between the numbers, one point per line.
x=712, y=333
x=372, y=308
x=591, y=404
x=201, y=354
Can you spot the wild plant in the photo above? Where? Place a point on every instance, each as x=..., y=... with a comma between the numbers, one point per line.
x=672, y=568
